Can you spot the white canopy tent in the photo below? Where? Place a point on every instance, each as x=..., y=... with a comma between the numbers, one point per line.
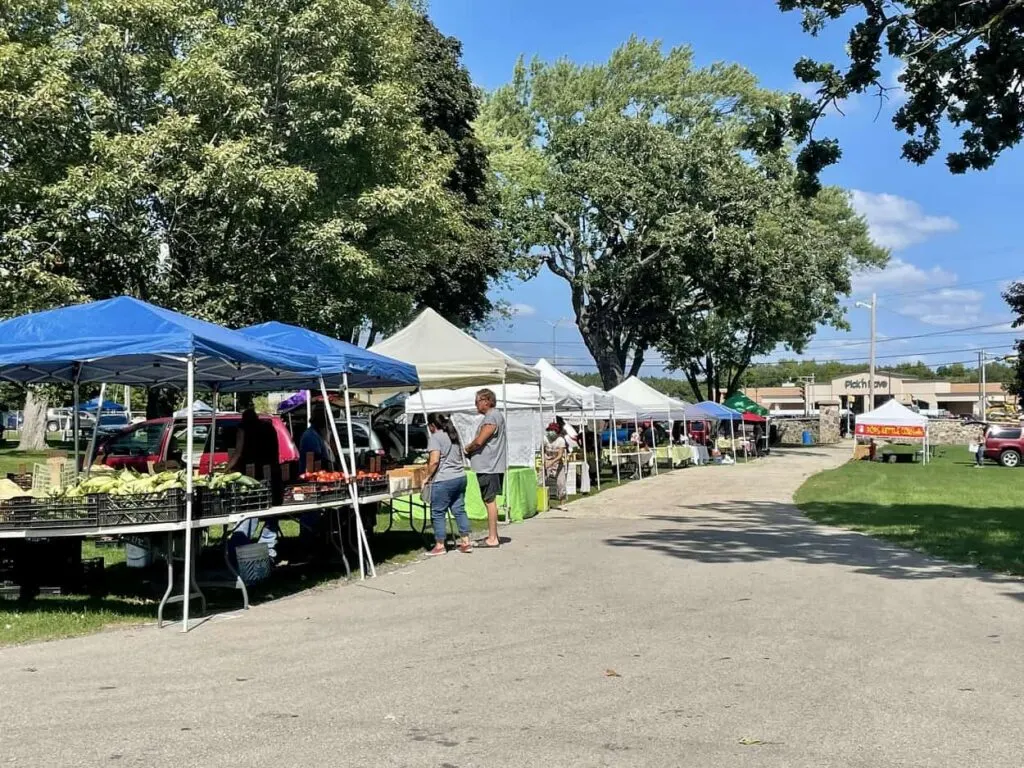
x=524, y=406
x=649, y=402
x=447, y=357
x=650, y=405
x=594, y=403
x=593, y=399
x=893, y=421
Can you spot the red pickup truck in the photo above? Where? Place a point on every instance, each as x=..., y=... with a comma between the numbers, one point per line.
x=161, y=439
x=1003, y=443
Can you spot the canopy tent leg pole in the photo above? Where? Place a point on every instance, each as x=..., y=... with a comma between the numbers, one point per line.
x=92, y=439
x=597, y=447
x=360, y=531
x=614, y=442
x=654, y=446
x=128, y=402
x=406, y=434
x=309, y=408
x=583, y=441
x=543, y=432
x=340, y=452
x=505, y=438
x=746, y=458
x=639, y=442
x=189, y=424
x=732, y=439
x=75, y=426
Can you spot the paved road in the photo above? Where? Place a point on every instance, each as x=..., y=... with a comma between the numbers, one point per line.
x=694, y=620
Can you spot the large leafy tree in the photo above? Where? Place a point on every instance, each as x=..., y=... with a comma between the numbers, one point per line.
x=615, y=176
x=792, y=258
x=311, y=161
x=963, y=62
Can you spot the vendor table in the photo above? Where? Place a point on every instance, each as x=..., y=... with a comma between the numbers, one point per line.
x=634, y=460
x=520, y=495
x=171, y=528
x=678, y=454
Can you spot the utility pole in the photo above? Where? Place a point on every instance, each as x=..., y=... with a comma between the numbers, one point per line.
x=554, y=337
x=871, y=363
x=982, y=357
x=808, y=387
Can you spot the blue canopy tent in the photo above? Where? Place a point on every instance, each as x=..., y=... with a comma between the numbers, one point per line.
x=127, y=341
x=712, y=411
x=359, y=369
x=365, y=370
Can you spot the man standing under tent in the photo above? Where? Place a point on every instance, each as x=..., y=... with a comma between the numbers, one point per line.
x=488, y=456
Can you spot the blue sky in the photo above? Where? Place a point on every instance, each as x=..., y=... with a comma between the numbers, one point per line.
x=954, y=239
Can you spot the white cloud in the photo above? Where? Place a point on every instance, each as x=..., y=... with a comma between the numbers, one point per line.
x=901, y=276
x=896, y=222
x=522, y=310
x=896, y=93
x=946, y=306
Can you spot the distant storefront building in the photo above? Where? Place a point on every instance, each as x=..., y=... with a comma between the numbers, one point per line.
x=852, y=392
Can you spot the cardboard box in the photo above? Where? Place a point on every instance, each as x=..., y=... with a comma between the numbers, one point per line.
x=407, y=478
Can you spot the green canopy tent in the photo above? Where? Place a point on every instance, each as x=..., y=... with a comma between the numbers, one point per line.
x=740, y=402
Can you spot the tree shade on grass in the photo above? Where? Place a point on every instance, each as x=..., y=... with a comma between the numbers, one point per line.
x=946, y=508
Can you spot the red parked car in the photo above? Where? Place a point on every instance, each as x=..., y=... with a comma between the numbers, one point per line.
x=161, y=439
x=1005, y=445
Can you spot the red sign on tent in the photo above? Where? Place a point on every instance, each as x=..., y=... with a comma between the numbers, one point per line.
x=889, y=430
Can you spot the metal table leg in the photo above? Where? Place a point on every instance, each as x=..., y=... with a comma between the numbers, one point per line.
x=239, y=582
x=194, y=590
x=339, y=544
x=169, y=556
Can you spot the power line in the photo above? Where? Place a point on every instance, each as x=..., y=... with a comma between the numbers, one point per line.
x=857, y=341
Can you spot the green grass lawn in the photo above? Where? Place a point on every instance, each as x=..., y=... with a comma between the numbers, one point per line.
x=946, y=508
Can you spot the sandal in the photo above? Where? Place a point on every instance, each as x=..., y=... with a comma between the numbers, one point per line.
x=482, y=544
x=435, y=552
x=465, y=548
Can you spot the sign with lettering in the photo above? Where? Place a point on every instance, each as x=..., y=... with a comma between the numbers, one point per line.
x=888, y=431
x=863, y=384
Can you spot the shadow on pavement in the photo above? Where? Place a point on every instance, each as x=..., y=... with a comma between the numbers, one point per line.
x=755, y=531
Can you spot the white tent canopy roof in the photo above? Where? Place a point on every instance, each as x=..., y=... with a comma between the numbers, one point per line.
x=559, y=383
x=649, y=402
x=893, y=414
x=619, y=409
x=520, y=397
x=447, y=357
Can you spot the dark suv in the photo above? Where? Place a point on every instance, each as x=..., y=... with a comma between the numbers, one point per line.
x=1004, y=444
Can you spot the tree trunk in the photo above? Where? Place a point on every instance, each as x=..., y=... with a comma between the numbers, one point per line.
x=33, y=428
x=610, y=368
x=712, y=379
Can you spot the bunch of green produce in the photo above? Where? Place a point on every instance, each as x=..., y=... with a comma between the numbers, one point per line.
x=128, y=482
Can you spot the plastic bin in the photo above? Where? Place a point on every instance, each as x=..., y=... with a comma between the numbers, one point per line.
x=807, y=438
x=137, y=557
x=253, y=562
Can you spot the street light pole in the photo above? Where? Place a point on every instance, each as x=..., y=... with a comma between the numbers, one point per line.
x=981, y=385
x=554, y=337
x=871, y=363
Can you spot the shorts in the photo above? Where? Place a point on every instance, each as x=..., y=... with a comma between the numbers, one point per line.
x=490, y=486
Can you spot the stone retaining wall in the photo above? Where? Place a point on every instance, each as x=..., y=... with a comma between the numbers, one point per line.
x=953, y=432
x=790, y=431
